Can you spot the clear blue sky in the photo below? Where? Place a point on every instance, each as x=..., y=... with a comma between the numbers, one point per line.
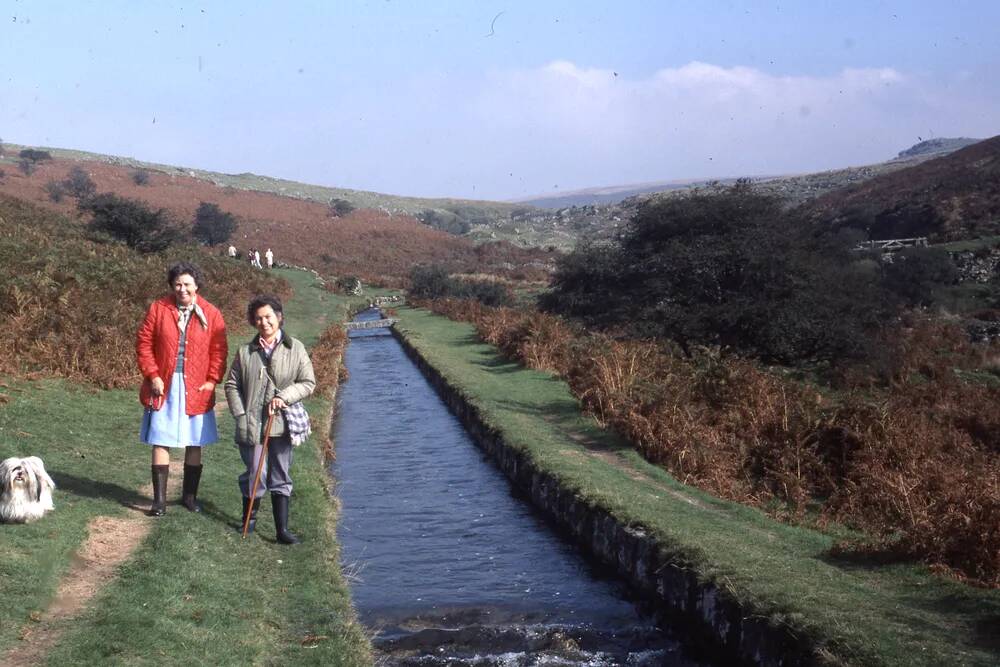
x=498, y=99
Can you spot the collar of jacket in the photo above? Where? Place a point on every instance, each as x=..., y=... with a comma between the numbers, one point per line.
x=286, y=340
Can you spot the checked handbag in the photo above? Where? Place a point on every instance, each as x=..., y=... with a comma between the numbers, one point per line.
x=297, y=423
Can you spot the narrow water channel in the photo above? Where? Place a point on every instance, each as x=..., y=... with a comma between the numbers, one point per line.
x=447, y=566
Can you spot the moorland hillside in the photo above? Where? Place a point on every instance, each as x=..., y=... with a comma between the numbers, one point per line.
x=73, y=304
x=949, y=198
x=557, y=222
x=374, y=244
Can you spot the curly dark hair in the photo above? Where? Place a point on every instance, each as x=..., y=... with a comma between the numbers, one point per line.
x=184, y=268
x=259, y=302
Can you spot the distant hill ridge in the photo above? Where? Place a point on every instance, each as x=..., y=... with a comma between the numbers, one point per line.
x=936, y=147
x=619, y=193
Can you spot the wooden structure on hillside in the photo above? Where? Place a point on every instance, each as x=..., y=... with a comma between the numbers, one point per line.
x=370, y=324
x=893, y=245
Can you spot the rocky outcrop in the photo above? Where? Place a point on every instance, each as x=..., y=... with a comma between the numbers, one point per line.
x=977, y=267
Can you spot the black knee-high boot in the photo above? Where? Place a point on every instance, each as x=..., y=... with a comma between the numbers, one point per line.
x=160, y=473
x=253, y=514
x=189, y=497
x=279, y=505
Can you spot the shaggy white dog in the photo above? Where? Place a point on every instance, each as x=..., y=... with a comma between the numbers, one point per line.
x=25, y=490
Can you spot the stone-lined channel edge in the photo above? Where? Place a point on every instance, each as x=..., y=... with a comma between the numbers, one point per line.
x=714, y=620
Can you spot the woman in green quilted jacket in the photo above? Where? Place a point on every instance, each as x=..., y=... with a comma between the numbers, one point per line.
x=270, y=373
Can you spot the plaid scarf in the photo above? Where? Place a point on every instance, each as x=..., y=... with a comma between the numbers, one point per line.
x=297, y=422
x=184, y=314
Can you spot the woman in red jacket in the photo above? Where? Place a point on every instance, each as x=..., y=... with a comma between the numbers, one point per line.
x=181, y=349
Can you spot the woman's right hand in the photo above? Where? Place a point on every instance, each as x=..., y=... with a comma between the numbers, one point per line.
x=157, y=386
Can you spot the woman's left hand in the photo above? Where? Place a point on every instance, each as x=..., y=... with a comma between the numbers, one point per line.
x=276, y=404
x=208, y=386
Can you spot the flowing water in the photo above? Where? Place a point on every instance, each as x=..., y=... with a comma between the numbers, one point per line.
x=447, y=565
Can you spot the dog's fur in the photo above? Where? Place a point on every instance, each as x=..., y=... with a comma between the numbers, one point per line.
x=25, y=490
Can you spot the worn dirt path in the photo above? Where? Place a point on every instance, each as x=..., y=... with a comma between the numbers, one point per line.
x=110, y=542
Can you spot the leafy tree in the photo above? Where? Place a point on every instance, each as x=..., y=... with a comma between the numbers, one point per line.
x=446, y=221
x=340, y=207
x=914, y=274
x=34, y=155
x=486, y=292
x=79, y=184
x=30, y=159
x=212, y=225
x=140, y=177
x=725, y=266
x=429, y=282
x=433, y=282
x=129, y=221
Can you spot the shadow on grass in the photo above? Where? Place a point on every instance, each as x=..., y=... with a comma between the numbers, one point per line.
x=565, y=416
x=98, y=489
x=497, y=364
x=233, y=519
x=490, y=358
x=973, y=614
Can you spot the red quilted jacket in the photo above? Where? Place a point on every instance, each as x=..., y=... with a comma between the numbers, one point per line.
x=205, y=352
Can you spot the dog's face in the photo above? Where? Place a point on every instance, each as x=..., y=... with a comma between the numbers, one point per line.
x=19, y=475
x=25, y=490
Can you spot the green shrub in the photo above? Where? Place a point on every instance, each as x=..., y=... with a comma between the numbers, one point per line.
x=446, y=221
x=433, y=282
x=340, y=207
x=130, y=221
x=79, y=184
x=56, y=190
x=915, y=273
x=485, y=292
x=212, y=225
x=430, y=282
x=34, y=155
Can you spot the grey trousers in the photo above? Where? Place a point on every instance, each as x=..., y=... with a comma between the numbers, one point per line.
x=276, y=475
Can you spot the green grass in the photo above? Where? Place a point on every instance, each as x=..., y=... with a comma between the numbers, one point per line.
x=970, y=244
x=194, y=592
x=862, y=613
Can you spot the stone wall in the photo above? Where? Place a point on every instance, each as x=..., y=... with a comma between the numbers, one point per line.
x=710, y=617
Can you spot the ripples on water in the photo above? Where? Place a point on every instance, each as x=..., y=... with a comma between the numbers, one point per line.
x=448, y=565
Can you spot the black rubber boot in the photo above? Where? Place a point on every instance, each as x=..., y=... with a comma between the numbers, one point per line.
x=189, y=496
x=159, y=506
x=253, y=515
x=279, y=504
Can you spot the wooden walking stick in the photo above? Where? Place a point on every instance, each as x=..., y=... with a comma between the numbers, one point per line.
x=256, y=478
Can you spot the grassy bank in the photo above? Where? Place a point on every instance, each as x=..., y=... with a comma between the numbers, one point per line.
x=854, y=612
x=193, y=592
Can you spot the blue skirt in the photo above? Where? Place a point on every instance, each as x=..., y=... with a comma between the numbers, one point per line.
x=171, y=427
